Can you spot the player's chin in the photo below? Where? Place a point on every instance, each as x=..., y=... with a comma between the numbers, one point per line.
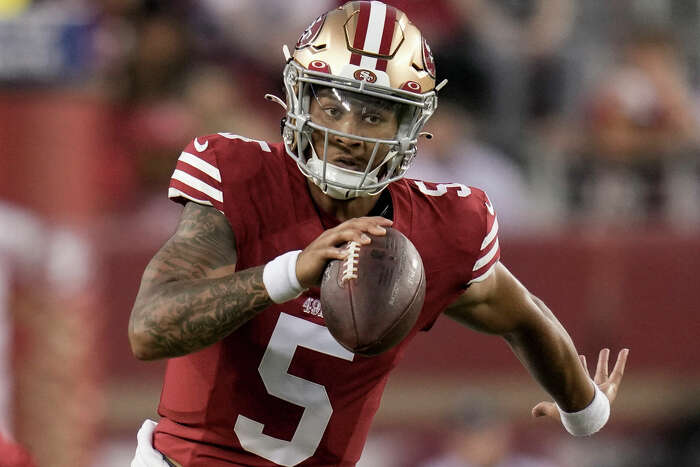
x=356, y=167
x=357, y=164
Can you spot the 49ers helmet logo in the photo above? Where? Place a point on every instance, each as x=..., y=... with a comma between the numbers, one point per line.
x=310, y=33
x=365, y=75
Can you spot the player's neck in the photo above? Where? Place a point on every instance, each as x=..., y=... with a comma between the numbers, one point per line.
x=342, y=209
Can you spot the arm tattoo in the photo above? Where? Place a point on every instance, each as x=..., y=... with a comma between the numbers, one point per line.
x=190, y=296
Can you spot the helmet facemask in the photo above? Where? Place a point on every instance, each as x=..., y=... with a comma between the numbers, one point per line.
x=389, y=156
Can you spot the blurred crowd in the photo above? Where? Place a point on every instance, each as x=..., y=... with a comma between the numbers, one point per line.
x=570, y=114
x=565, y=112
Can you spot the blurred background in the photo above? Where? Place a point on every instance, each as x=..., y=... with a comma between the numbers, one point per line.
x=581, y=119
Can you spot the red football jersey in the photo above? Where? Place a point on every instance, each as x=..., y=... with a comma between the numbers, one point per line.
x=280, y=390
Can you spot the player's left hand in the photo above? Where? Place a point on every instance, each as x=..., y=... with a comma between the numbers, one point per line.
x=608, y=384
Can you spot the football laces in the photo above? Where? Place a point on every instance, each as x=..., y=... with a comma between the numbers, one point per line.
x=351, y=262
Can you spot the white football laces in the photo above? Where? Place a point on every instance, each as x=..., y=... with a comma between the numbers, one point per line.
x=351, y=261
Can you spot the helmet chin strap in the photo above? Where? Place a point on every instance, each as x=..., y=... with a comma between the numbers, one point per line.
x=335, y=174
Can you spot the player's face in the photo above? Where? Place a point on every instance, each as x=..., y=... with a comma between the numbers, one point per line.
x=353, y=114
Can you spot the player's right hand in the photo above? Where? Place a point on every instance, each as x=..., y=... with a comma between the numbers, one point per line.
x=329, y=245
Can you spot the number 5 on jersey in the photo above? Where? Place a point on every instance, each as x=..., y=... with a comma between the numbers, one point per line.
x=289, y=333
x=441, y=188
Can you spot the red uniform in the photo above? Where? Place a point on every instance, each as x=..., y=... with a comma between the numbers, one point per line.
x=280, y=390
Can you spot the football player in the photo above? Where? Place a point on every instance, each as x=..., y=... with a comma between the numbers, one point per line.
x=254, y=377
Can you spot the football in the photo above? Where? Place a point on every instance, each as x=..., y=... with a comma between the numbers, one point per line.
x=372, y=298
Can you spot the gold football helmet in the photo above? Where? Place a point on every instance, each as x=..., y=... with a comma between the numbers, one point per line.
x=364, y=52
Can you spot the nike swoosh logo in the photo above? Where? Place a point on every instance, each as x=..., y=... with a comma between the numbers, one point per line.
x=201, y=147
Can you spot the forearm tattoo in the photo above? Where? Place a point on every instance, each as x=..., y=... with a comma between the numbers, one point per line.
x=190, y=296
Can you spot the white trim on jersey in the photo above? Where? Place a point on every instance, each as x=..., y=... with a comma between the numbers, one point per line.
x=198, y=185
x=373, y=37
x=484, y=260
x=482, y=277
x=263, y=144
x=491, y=234
x=175, y=193
x=200, y=164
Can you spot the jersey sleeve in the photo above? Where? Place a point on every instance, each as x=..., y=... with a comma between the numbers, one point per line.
x=197, y=177
x=490, y=251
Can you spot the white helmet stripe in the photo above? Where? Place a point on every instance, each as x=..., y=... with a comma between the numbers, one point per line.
x=368, y=62
x=375, y=30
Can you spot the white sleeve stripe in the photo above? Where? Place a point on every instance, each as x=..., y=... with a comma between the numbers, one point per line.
x=198, y=185
x=491, y=234
x=175, y=193
x=484, y=260
x=201, y=164
x=482, y=277
x=263, y=144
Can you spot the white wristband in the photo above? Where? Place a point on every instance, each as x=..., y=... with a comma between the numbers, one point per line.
x=280, y=277
x=589, y=420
